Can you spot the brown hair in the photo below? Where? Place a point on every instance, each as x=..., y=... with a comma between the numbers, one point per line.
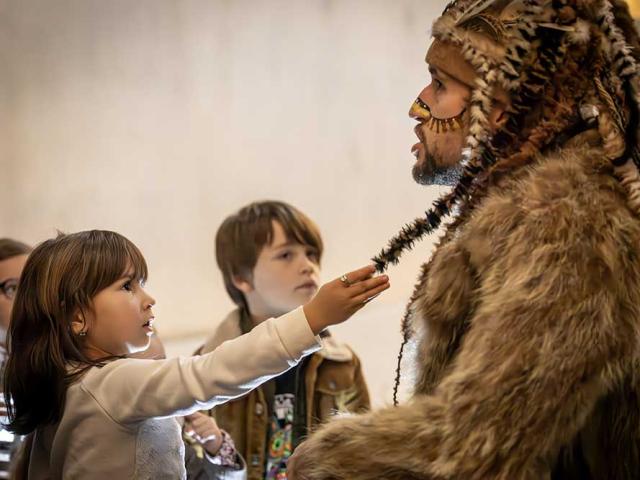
x=61, y=276
x=244, y=234
x=12, y=248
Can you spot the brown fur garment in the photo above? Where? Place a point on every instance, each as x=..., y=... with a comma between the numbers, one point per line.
x=530, y=358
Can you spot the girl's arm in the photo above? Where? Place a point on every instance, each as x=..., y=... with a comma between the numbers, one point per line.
x=131, y=390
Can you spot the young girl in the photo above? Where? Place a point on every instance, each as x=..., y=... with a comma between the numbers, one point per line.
x=80, y=309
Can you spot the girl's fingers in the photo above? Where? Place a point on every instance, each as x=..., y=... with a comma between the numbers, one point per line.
x=366, y=296
x=364, y=287
x=360, y=274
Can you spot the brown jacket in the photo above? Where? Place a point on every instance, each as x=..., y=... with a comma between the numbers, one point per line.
x=333, y=382
x=528, y=363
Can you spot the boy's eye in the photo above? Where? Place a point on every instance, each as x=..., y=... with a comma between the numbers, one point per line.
x=313, y=255
x=286, y=255
x=127, y=286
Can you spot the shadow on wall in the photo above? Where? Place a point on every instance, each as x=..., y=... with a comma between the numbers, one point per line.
x=158, y=118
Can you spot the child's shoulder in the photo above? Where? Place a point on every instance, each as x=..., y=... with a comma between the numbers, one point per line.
x=112, y=370
x=228, y=329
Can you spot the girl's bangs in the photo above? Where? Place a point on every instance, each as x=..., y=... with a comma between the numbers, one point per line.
x=136, y=261
x=113, y=257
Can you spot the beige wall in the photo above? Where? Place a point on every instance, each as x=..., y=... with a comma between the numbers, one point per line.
x=157, y=118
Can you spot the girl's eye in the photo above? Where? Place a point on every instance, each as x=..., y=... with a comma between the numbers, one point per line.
x=127, y=286
x=313, y=255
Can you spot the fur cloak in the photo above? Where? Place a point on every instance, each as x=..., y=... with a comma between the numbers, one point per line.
x=528, y=360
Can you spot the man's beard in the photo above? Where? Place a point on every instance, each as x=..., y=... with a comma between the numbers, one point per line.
x=427, y=173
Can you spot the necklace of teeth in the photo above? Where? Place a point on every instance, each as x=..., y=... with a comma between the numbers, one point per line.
x=439, y=125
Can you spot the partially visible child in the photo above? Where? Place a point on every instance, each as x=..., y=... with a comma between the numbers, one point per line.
x=80, y=309
x=13, y=256
x=269, y=254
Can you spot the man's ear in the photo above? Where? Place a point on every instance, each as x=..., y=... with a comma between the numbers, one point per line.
x=242, y=283
x=499, y=115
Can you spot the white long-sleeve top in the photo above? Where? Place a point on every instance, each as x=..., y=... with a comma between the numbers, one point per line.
x=118, y=421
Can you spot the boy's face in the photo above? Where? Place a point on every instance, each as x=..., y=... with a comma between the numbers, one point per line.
x=285, y=277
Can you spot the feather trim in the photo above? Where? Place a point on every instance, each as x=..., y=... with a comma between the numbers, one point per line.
x=474, y=9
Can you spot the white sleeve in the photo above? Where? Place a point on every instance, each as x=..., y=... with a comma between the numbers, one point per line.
x=131, y=390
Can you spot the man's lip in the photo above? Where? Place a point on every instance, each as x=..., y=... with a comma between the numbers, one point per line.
x=418, y=152
x=418, y=130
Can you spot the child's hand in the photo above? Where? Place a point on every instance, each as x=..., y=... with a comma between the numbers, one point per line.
x=204, y=430
x=336, y=301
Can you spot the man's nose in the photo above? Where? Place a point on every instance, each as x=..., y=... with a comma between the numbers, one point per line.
x=419, y=109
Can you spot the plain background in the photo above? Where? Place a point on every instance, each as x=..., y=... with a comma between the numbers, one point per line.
x=158, y=118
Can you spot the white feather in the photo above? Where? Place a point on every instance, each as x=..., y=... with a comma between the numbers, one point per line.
x=474, y=9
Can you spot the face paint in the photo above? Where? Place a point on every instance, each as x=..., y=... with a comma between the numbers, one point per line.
x=427, y=170
x=437, y=125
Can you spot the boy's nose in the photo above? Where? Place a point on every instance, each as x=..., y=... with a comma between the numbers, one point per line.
x=307, y=266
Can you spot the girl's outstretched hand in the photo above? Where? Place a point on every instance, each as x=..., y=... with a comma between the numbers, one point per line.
x=337, y=300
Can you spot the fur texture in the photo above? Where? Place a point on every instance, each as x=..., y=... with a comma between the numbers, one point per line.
x=529, y=364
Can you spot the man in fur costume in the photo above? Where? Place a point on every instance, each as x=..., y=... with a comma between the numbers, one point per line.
x=528, y=314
